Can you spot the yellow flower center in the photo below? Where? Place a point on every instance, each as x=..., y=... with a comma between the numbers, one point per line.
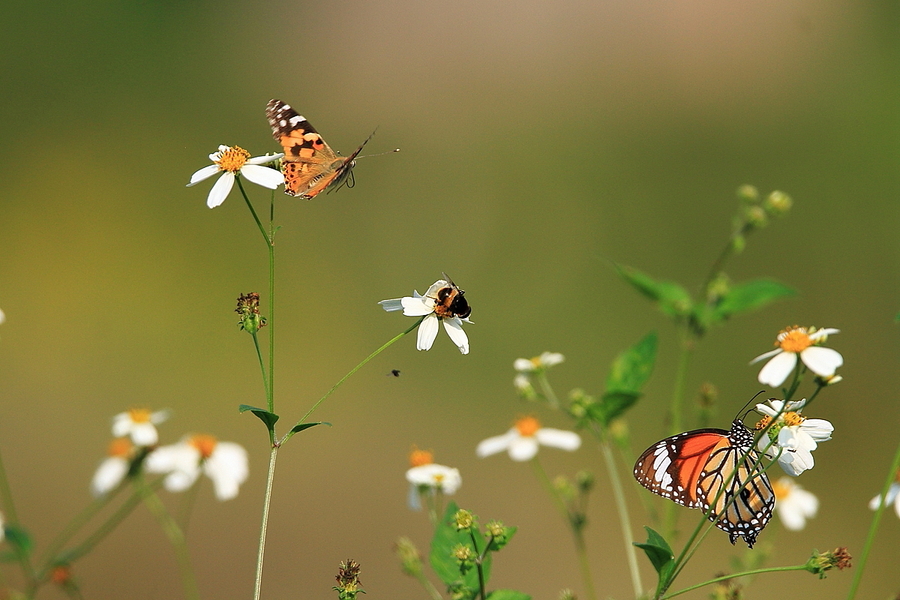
x=438, y=478
x=794, y=339
x=205, y=444
x=233, y=159
x=527, y=426
x=139, y=415
x=120, y=447
x=417, y=457
x=792, y=418
x=782, y=490
x=536, y=361
x=763, y=423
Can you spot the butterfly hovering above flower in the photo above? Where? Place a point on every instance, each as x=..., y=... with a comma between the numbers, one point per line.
x=310, y=165
x=715, y=470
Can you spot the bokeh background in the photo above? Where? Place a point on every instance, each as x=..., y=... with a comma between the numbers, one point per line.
x=540, y=140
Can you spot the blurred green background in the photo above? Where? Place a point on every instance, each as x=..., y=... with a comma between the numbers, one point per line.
x=539, y=141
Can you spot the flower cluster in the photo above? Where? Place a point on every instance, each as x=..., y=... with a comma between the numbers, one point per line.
x=134, y=446
x=791, y=437
x=427, y=478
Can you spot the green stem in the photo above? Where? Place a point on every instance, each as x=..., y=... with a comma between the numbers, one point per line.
x=176, y=538
x=479, y=563
x=873, y=528
x=387, y=344
x=112, y=522
x=735, y=576
x=577, y=532
x=12, y=517
x=684, y=360
x=261, y=552
x=259, y=224
x=546, y=388
x=624, y=519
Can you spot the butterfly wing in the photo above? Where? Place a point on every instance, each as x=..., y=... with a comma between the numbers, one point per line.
x=672, y=467
x=692, y=467
x=310, y=165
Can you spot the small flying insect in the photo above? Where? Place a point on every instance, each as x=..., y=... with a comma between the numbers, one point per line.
x=394, y=372
x=450, y=301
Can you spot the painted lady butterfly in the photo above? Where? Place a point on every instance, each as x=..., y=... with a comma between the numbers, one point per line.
x=310, y=165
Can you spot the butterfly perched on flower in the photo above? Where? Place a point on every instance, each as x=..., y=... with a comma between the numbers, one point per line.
x=692, y=468
x=310, y=165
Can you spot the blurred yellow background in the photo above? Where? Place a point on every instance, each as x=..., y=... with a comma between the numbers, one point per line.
x=539, y=141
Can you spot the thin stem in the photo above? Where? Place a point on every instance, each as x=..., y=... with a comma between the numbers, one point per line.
x=479, y=563
x=873, y=528
x=577, y=532
x=261, y=552
x=270, y=391
x=675, y=411
x=176, y=538
x=624, y=519
x=387, y=344
x=547, y=389
x=735, y=576
x=9, y=506
x=259, y=224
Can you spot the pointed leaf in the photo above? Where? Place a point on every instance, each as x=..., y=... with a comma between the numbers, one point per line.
x=302, y=426
x=632, y=368
x=657, y=550
x=269, y=418
x=751, y=295
x=671, y=298
x=611, y=406
x=18, y=537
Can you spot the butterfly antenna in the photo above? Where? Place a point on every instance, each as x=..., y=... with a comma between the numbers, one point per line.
x=744, y=409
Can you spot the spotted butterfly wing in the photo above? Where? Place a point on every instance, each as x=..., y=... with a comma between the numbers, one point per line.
x=310, y=165
x=692, y=467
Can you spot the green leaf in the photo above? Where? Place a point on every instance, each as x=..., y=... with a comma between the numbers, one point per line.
x=611, y=405
x=658, y=551
x=632, y=368
x=19, y=538
x=302, y=426
x=751, y=295
x=508, y=595
x=671, y=298
x=269, y=418
x=445, y=539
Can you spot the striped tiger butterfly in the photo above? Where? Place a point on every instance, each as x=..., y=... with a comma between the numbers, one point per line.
x=692, y=467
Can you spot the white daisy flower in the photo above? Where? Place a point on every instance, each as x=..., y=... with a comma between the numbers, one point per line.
x=225, y=463
x=538, y=363
x=893, y=496
x=793, y=437
x=426, y=477
x=803, y=342
x=139, y=424
x=444, y=303
x=524, y=439
x=114, y=468
x=794, y=505
x=231, y=160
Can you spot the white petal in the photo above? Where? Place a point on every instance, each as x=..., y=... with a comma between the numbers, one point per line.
x=454, y=329
x=121, y=425
x=417, y=307
x=261, y=160
x=109, y=474
x=818, y=429
x=777, y=370
x=496, y=444
x=892, y=495
x=766, y=355
x=523, y=365
x=227, y=467
x=550, y=359
x=771, y=409
x=2, y=317
x=428, y=330
x=144, y=434
x=433, y=289
x=820, y=333
x=391, y=305
x=558, y=438
x=178, y=481
x=160, y=416
x=264, y=176
x=203, y=174
x=523, y=448
x=174, y=457
x=822, y=361
x=220, y=190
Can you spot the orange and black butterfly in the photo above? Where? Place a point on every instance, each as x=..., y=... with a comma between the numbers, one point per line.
x=692, y=467
x=310, y=165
